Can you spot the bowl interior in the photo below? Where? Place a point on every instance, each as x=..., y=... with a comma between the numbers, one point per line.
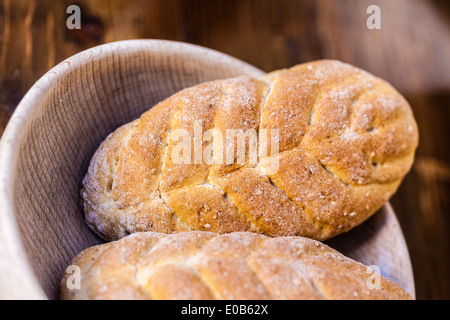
x=59, y=124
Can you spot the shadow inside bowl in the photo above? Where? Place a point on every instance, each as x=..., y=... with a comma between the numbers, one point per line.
x=379, y=243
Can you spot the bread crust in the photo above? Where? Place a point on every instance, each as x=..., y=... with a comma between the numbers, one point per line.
x=239, y=265
x=346, y=141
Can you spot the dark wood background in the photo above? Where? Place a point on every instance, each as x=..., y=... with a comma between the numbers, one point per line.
x=411, y=51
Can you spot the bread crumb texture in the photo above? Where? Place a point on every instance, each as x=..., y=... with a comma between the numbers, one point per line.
x=238, y=265
x=346, y=139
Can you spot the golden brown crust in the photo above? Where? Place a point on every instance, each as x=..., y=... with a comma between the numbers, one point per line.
x=346, y=140
x=240, y=265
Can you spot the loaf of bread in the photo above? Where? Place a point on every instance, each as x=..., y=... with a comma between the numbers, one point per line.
x=206, y=265
x=333, y=144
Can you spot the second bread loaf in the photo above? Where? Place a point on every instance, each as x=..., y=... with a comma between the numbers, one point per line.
x=205, y=265
x=337, y=144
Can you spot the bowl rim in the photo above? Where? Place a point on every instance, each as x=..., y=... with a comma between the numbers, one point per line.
x=18, y=266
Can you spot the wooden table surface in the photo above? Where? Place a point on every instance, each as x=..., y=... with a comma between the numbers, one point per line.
x=411, y=51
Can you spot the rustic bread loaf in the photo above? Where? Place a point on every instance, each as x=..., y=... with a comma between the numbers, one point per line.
x=205, y=265
x=334, y=143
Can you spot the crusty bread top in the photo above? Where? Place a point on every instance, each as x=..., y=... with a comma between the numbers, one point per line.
x=205, y=265
x=346, y=140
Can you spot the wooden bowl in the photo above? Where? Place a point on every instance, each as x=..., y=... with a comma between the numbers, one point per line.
x=48, y=143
